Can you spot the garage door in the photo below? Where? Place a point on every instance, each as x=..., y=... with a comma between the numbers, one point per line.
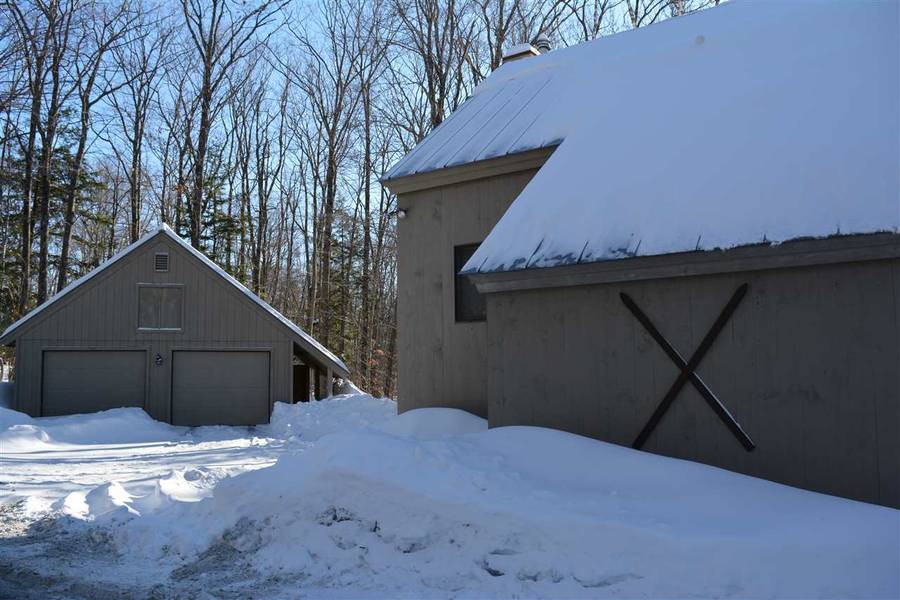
x=220, y=388
x=88, y=381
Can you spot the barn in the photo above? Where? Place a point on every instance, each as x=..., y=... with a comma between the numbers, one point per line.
x=161, y=327
x=682, y=238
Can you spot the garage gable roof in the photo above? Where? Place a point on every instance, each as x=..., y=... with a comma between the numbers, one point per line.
x=306, y=341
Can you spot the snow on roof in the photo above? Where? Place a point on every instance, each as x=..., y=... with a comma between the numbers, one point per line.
x=508, y=113
x=327, y=355
x=756, y=121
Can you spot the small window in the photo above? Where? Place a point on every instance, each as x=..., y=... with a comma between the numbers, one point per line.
x=469, y=304
x=160, y=307
x=161, y=262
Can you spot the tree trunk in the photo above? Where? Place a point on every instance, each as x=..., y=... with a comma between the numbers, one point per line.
x=27, y=188
x=196, y=202
x=134, y=181
x=71, y=194
x=325, y=270
x=391, y=352
x=363, y=362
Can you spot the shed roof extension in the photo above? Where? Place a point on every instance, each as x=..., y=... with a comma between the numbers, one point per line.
x=759, y=121
x=306, y=341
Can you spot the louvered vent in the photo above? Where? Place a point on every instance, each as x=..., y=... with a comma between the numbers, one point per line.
x=161, y=262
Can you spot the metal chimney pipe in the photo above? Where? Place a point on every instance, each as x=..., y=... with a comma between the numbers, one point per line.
x=542, y=43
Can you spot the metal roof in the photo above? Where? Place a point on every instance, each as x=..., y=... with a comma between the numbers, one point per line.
x=754, y=122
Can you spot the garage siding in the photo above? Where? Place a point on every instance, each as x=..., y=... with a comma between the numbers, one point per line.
x=442, y=362
x=808, y=365
x=220, y=388
x=102, y=315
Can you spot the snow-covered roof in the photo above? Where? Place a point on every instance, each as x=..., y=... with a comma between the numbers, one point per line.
x=324, y=354
x=510, y=112
x=756, y=121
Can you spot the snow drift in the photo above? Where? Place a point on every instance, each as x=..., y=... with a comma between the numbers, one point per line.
x=432, y=504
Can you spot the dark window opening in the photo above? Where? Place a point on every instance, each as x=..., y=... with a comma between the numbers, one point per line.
x=161, y=262
x=160, y=307
x=469, y=304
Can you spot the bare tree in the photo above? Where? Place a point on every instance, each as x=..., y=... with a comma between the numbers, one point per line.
x=140, y=60
x=329, y=80
x=104, y=30
x=507, y=22
x=439, y=34
x=34, y=31
x=60, y=17
x=592, y=18
x=223, y=32
x=374, y=35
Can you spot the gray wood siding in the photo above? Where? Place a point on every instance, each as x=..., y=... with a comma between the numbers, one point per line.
x=103, y=314
x=441, y=362
x=809, y=365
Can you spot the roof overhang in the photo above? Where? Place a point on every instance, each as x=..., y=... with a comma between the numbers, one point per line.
x=797, y=253
x=500, y=165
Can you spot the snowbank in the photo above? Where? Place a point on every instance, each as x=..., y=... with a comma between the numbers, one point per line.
x=432, y=504
x=435, y=423
x=10, y=418
x=415, y=509
x=310, y=421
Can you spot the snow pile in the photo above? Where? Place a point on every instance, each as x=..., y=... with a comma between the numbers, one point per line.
x=11, y=418
x=526, y=511
x=359, y=501
x=753, y=122
x=309, y=421
x=435, y=423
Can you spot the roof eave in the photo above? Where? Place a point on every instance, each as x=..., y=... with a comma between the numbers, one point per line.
x=499, y=165
x=340, y=370
x=757, y=257
x=7, y=334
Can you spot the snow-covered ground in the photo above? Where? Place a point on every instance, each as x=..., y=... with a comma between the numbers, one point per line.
x=342, y=498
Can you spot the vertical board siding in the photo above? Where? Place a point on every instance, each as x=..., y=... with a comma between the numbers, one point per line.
x=808, y=365
x=442, y=362
x=103, y=314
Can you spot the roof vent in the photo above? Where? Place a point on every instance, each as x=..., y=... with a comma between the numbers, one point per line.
x=542, y=43
x=520, y=51
x=161, y=262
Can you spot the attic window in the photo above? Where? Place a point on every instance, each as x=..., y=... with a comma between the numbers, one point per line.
x=161, y=262
x=160, y=307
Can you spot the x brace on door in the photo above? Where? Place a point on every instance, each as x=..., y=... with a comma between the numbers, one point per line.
x=688, y=370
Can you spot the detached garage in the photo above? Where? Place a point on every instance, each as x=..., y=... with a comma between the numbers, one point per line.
x=161, y=327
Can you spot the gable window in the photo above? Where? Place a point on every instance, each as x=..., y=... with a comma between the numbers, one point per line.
x=469, y=305
x=161, y=262
x=160, y=306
